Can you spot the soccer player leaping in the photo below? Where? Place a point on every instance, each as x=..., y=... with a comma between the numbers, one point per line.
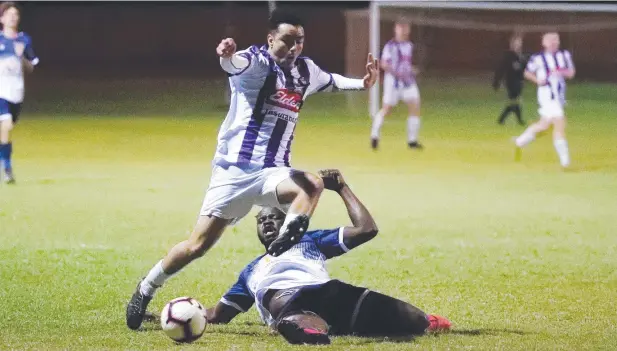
x=549, y=70
x=16, y=56
x=295, y=295
x=252, y=161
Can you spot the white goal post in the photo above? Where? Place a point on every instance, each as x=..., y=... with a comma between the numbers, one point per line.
x=376, y=13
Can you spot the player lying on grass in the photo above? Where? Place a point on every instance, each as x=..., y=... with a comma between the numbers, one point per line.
x=252, y=161
x=295, y=295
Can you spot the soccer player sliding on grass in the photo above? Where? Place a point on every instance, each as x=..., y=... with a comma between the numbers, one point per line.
x=252, y=161
x=295, y=295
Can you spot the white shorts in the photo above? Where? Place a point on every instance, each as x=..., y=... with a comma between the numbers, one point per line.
x=233, y=192
x=392, y=95
x=551, y=110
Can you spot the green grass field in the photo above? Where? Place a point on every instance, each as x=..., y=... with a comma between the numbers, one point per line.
x=520, y=256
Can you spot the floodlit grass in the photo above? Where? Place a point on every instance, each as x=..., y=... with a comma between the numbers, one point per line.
x=519, y=256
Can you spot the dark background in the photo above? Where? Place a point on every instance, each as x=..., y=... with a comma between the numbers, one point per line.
x=137, y=39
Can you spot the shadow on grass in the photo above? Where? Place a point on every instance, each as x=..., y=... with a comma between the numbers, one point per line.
x=474, y=332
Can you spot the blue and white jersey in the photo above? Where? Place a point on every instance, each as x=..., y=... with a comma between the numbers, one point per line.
x=543, y=65
x=302, y=265
x=11, y=69
x=398, y=55
x=263, y=112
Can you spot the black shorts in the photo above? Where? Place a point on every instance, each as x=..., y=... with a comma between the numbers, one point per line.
x=9, y=108
x=348, y=309
x=514, y=90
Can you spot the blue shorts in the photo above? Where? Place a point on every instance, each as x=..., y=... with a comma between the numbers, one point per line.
x=9, y=110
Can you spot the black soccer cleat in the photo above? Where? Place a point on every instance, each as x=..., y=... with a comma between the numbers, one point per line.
x=292, y=235
x=294, y=334
x=415, y=145
x=374, y=144
x=136, y=309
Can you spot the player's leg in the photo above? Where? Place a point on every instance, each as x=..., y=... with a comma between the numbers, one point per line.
x=389, y=100
x=229, y=198
x=411, y=96
x=8, y=116
x=298, y=192
x=206, y=233
x=560, y=142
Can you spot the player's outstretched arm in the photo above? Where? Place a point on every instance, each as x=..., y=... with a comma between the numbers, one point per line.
x=221, y=313
x=230, y=61
x=372, y=74
x=364, y=227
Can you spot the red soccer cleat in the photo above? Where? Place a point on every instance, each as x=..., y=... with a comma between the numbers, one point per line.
x=438, y=324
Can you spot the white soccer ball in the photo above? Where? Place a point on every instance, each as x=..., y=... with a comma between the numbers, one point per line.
x=184, y=319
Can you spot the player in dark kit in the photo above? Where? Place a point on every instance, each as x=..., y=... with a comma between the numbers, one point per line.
x=294, y=294
x=512, y=67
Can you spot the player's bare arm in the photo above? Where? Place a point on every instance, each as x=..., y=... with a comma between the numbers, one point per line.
x=364, y=227
x=221, y=313
x=372, y=71
x=530, y=76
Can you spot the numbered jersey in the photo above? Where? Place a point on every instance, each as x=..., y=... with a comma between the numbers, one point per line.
x=11, y=68
x=263, y=112
x=302, y=265
x=544, y=65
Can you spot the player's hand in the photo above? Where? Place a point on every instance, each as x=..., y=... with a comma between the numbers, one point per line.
x=19, y=49
x=226, y=48
x=541, y=82
x=372, y=71
x=332, y=179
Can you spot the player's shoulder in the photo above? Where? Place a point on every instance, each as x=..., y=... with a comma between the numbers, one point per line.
x=249, y=268
x=23, y=36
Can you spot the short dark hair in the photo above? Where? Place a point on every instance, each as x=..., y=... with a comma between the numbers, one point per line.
x=7, y=5
x=279, y=16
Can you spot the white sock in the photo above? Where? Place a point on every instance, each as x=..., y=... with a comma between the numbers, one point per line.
x=377, y=123
x=561, y=145
x=527, y=137
x=154, y=280
x=413, y=128
x=290, y=217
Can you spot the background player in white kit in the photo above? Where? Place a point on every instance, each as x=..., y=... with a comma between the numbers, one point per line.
x=251, y=165
x=399, y=83
x=295, y=295
x=16, y=56
x=549, y=70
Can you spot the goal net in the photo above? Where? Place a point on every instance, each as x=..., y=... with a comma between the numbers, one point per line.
x=467, y=39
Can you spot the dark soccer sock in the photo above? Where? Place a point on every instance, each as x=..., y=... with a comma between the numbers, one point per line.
x=517, y=111
x=6, y=150
x=504, y=114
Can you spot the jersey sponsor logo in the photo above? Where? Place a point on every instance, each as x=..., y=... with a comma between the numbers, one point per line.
x=286, y=99
x=282, y=115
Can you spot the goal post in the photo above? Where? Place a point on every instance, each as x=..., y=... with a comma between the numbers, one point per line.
x=485, y=26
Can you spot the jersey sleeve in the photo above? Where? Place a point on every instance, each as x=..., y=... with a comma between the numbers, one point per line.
x=532, y=65
x=568, y=59
x=329, y=241
x=239, y=296
x=29, y=51
x=254, y=61
x=319, y=80
x=386, y=53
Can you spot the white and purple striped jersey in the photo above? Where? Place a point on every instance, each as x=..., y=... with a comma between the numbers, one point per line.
x=543, y=65
x=398, y=56
x=263, y=112
x=302, y=265
x=11, y=69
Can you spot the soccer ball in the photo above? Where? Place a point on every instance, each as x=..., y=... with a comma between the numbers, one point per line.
x=184, y=319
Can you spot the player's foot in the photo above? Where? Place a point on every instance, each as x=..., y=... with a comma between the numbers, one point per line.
x=415, y=145
x=294, y=334
x=136, y=309
x=9, y=178
x=292, y=235
x=438, y=324
x=374, y=144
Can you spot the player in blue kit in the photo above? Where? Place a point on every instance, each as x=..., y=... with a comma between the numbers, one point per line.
x=16, y=57
x=295, y=295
